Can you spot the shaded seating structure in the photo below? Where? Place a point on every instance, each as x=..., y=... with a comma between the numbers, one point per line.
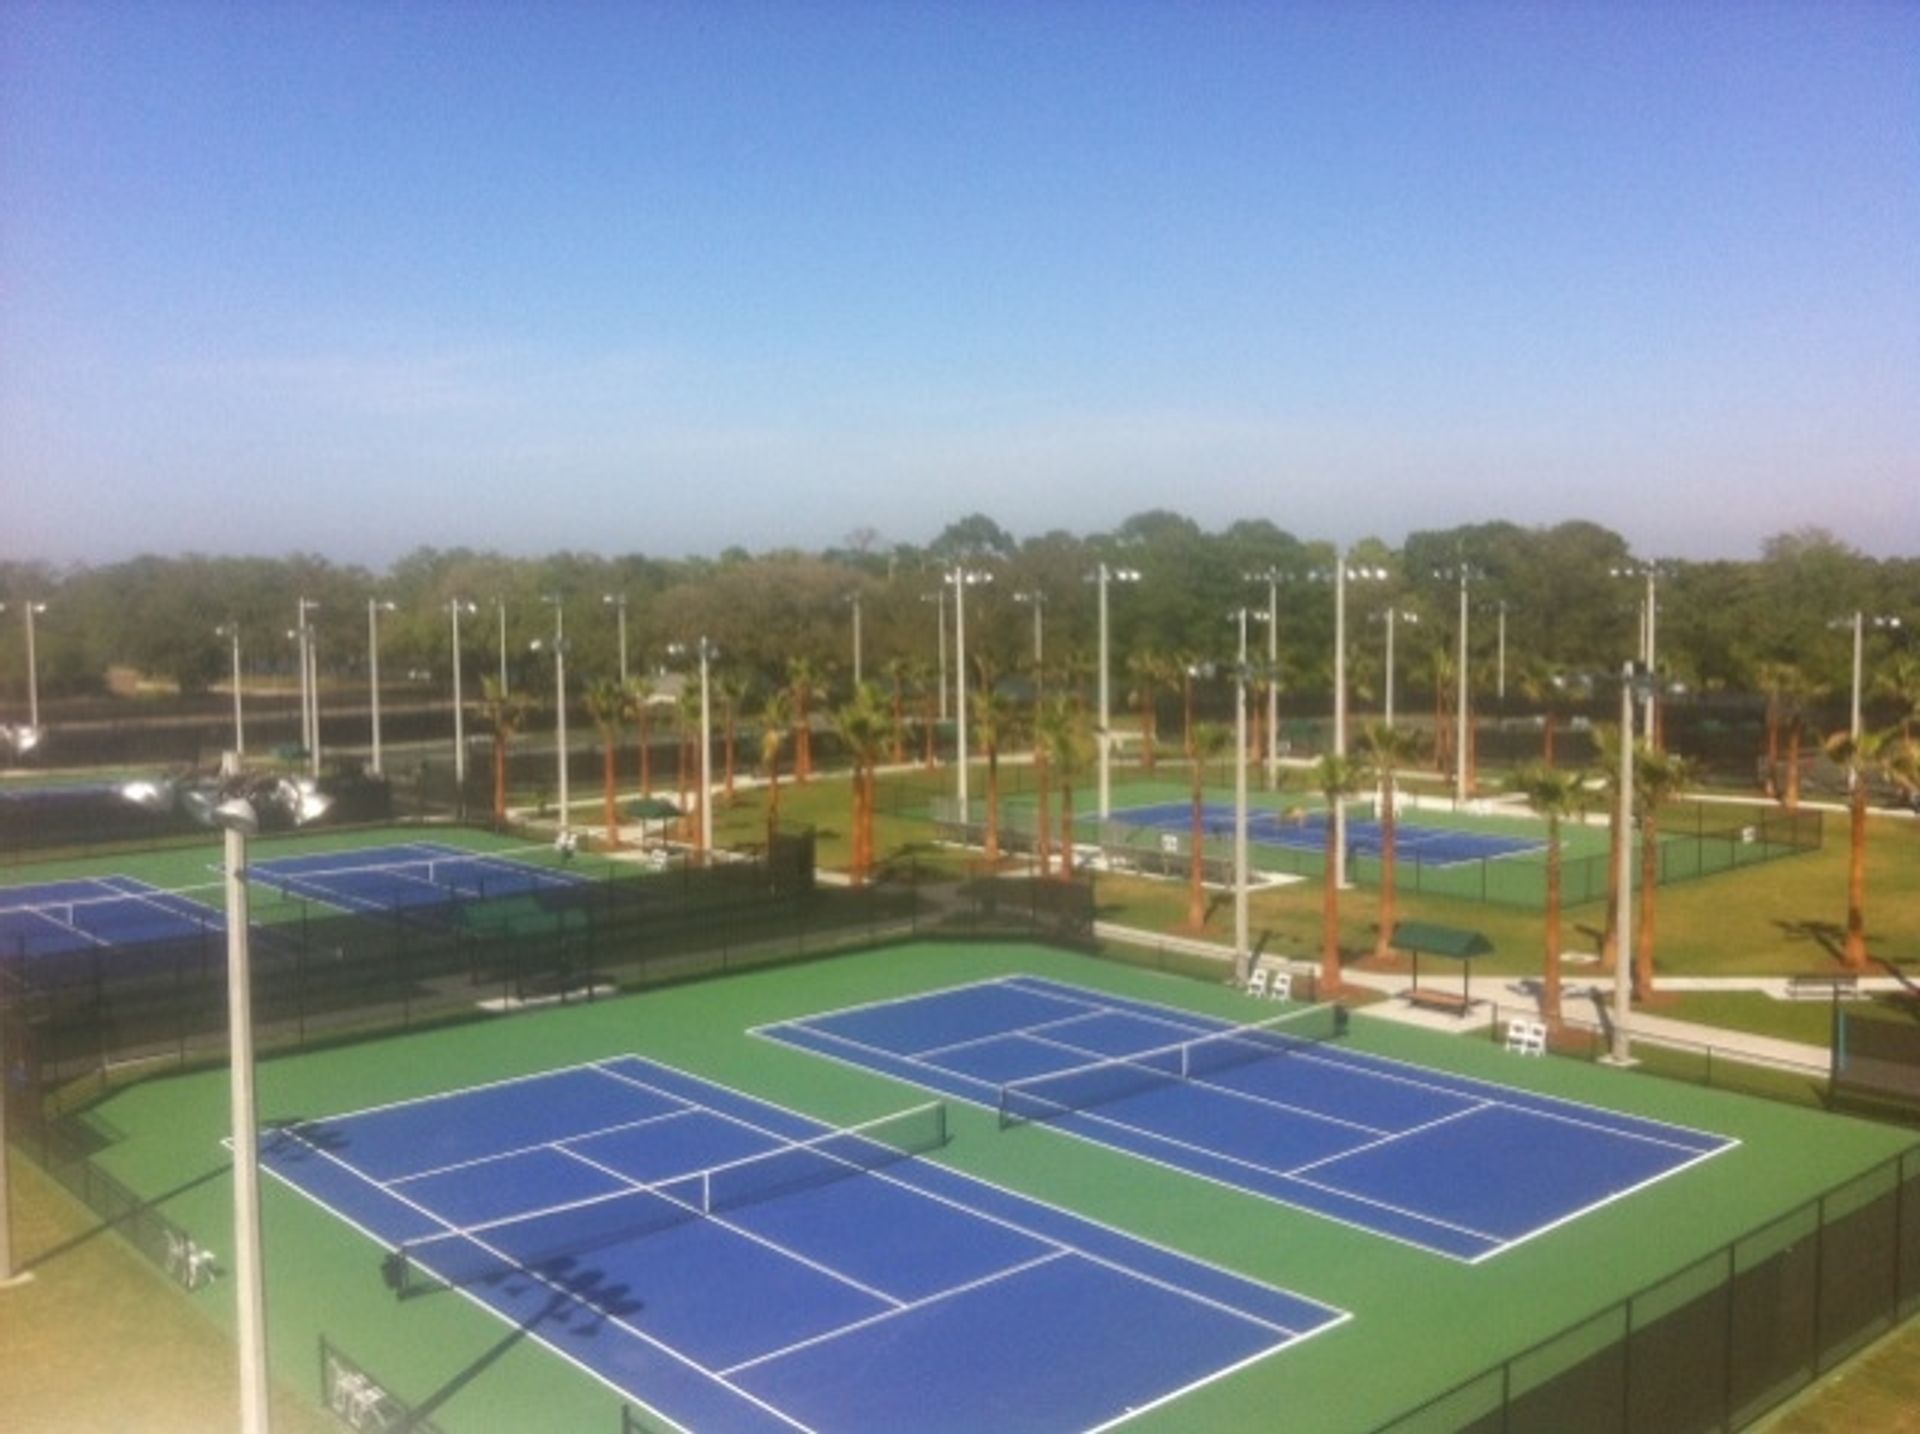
x=1451, y=943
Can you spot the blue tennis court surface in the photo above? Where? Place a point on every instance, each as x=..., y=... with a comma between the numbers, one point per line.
x=1461, y=1167
x=404, y=875
x=583, y=1206
x=1431, y=846
x=52, y=918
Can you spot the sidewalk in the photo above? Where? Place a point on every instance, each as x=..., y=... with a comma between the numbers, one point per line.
x=1515, y=995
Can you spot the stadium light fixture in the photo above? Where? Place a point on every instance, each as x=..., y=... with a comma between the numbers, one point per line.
x=1101, y=577
x=618, y=602
x=375, y=606
x=235, y=803
x=456, y=606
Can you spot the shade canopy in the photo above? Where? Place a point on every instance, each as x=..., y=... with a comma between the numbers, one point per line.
x=1430, y=938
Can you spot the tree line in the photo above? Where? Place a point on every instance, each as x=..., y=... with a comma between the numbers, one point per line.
x=1566, y=598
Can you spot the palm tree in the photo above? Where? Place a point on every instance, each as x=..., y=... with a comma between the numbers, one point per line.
x=898, y=672
x=1658, y=777
x=993, y=719
x=863, y=727
x=1899, y=680
x=776, y=713
x=1338, y=778
x=1205, y=743
x=1063, y=723
x=1388, y=750
x=1890, y=753
x=1554, y=795
x=640, y=698
x=1147, y=669
x=802, y=678
x=1798, y=693
x=506, y=713
x=608, y=704
x=1539, y=685
x=731, y=688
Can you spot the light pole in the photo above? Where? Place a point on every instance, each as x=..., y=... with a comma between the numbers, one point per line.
x=1393, y=614
x=230, y=629
x=853, y=600
x=558, y=646
x=1649, y=618
x=1463, y=736
x=706, y=652
x=1341, y=574
x=618, y=602
x=1037, y=600
x=1271, y=577
x=1103, y=575
x=1632, y=677
x=309, y=683
x=32, y=608
x=1860, y=622
x=456, y=606
x=1242, y=932
x=962, y=578
x=235, y=805
x=374, y=608
x=939, y=599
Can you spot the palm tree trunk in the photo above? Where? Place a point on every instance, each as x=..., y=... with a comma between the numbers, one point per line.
x=1546, y=738
x=610, y=781
x=1550, y=968
x=499, y=780
x=857, y=871
x=1856, y=948
x=993, y=805
x=1329, y=920
x=899, y=726
x=1196, y=855
x=729, y=744
x=1066, y=831
x=1794, y=726
x=1769, y=780
x=1042, y=833
x=646, y=754
x=1649, y=885
x=1383, y=943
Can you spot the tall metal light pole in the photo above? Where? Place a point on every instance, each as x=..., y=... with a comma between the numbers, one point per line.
x=1860, y=622
x=1394, y=613
x=1462, y=717
x=939, y=599
x=1649, y=620
x=558, y=646
x=1271, y=577
x=618, y=602
x=1632, y=675
x=1037, y=600
x=1242, y=934
x=374, y=608
x=456, y=606
x=309, y=683
x=1103, y=575
x=705, y=652
x=32, y=608
x=230, y=629
x=853, y=600
x=962, y=578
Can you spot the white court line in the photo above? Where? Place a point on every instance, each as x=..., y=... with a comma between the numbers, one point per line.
x=1085, y=1254
x=554, y=1145
x=565, y=1294
x=57, y=925
x=1390, y=1137
x=1060, y=1252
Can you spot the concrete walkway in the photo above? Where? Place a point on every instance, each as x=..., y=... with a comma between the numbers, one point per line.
x=1588, y=1000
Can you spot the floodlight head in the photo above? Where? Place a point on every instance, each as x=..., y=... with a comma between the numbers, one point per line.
x=153, y=794
x=24, y=739
x=236, y=814
x=383, y=604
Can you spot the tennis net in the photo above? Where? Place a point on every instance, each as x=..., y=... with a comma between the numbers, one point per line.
x=1058, y=1093
x=557, y=1244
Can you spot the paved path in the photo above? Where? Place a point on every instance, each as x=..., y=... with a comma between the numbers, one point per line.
x=1515, y=995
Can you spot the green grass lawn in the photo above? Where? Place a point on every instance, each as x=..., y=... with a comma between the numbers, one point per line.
x=1421, y=1322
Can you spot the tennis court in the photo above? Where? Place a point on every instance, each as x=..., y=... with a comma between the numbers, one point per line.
x=54, y=918
x=731, y=1264
x=404, y=875
x=1307, y=831
x=1457, y=1166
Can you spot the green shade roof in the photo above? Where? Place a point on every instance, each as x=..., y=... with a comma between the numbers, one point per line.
x=1431, y=938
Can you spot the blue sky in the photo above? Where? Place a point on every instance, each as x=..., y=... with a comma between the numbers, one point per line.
x=358, y=277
